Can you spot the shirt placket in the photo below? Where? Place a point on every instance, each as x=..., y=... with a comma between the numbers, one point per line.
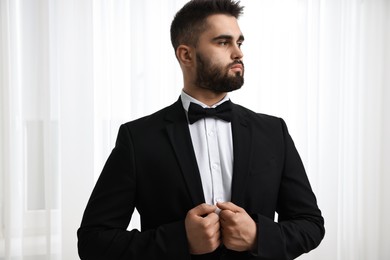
x=214, y=160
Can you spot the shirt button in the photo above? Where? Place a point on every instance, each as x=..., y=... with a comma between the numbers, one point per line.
x=211, y=133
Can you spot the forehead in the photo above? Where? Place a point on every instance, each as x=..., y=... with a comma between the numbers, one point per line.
x=220, y=24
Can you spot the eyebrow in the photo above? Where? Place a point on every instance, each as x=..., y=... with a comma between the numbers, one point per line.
x=227, y=37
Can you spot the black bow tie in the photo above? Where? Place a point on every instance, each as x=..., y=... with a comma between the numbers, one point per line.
x=223, y=111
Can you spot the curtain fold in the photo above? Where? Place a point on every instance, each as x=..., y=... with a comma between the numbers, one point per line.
x=72, y=71
x=29, y=165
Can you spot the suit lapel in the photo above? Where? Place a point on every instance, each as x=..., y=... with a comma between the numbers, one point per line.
x=242, y=150
x=179, y=135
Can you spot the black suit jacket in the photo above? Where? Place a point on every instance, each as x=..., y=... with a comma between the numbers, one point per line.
x=153, y=168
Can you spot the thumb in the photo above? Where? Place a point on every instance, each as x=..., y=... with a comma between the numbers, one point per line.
x=229, y=206
x=203, y=209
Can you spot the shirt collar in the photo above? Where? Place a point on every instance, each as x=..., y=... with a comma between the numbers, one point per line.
x=187, y=99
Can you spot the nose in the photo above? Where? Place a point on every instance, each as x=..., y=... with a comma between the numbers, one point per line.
x=237, y=52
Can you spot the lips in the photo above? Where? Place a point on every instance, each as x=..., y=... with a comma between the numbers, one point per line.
x=237, y=66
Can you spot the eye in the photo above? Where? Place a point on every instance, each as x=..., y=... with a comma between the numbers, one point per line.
x=239, y=44
x=223, y=43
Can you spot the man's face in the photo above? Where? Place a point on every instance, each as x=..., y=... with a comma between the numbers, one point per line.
x=219, y=65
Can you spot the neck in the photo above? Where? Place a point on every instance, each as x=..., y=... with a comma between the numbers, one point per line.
x=205, y=96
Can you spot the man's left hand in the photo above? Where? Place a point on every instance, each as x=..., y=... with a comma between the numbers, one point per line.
x=239, y=230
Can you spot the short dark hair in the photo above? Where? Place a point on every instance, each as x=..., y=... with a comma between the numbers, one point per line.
x=190, y=20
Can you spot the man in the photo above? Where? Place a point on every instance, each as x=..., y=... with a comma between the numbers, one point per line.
x=206, y=175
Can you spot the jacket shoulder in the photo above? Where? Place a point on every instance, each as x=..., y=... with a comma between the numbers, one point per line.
x=257, y=118
x=158, y=117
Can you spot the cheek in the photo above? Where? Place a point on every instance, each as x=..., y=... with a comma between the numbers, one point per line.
x=217, y=57
x=218, y=62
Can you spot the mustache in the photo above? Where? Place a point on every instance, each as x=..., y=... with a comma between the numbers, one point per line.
x=236, y=62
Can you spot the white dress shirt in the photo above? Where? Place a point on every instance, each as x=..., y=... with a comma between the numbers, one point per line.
x=213, y=146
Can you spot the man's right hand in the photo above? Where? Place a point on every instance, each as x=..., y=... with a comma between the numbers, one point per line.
x=202, y=227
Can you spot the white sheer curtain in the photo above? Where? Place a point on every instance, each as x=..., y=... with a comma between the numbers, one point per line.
x=71, y=71
x=30, y=172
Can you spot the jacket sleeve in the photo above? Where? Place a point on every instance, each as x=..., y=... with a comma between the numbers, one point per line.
x=103, y=234
x=300, y=226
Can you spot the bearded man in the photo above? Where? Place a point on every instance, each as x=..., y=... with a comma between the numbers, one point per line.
x=205, y=175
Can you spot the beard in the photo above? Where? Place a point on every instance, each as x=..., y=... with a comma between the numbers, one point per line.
x=216, y=78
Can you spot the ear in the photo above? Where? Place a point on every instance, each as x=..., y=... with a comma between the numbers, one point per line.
x=185, y=55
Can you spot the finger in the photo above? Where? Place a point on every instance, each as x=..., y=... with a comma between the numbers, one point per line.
x=226, y=215
x=202, y=209
x=217, y=228
x=213, y=218
x=229, y=206
x=213, y=232
x=217, y=241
